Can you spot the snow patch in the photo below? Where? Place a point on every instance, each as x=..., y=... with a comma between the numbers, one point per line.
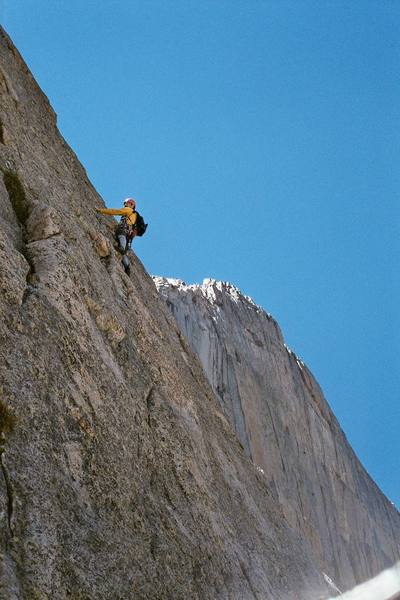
x=300, y=363
x=166, y=282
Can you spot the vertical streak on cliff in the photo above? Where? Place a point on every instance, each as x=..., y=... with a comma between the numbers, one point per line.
x=10, y=493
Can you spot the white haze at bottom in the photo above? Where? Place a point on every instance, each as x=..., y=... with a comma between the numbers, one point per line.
x=385, y=586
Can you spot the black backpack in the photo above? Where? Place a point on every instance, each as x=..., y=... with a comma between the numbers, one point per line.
x=140, y=225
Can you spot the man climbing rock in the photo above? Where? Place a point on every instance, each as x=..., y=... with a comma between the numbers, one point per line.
x=130, y=225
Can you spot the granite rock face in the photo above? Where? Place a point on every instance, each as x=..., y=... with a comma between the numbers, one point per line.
x=288, y=430
x=121, y=478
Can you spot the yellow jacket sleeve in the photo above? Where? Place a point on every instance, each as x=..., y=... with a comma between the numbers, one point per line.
x=122, y=212
x=116, y=211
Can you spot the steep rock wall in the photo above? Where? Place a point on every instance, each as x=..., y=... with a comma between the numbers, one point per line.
x=286, y=426
x=120, y=476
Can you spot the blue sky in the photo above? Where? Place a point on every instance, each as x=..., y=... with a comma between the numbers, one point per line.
x=261, y=140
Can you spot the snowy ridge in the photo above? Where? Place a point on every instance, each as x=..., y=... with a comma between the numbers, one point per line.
x=208, y=289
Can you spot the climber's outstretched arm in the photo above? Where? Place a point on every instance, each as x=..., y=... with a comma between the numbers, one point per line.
x=115, y=211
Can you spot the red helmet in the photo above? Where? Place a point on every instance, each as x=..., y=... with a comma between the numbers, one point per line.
x=130, y=202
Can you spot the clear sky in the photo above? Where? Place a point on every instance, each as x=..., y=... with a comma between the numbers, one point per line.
x=261, y=139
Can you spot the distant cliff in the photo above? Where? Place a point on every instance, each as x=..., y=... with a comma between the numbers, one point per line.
x=287, y=428
x=120, y=477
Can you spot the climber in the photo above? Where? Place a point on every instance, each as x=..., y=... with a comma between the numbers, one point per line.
x=130, y=225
